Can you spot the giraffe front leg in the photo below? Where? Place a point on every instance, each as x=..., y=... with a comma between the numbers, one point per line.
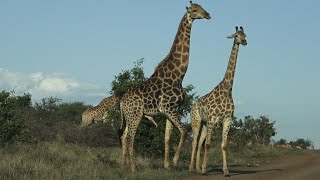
x=203, y=136
x=196, y=126
x=169, y=128
x=226, y=127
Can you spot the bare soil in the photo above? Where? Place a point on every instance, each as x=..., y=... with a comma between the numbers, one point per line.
x=305, y=166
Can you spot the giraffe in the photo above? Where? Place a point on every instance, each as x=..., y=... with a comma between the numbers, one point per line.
x=162, y=92
x=214, y=107
x=99, y=113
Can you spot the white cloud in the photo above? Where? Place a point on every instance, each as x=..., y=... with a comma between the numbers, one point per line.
x=41, y=85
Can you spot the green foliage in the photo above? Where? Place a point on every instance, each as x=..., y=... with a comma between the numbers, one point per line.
x=250, y=131
x=71, y=112
x=12, y=109
x=302, y=143
x=128, y=79
x=281, y=142
x=47, y=105
x=51, y=118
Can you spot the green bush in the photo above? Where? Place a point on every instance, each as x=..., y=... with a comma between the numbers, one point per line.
x=12, y=123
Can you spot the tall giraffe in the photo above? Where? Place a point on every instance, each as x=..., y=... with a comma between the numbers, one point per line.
x=216, y=106
x=162, y=92
x=99, y=113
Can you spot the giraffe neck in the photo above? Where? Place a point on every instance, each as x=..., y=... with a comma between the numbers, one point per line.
x=229, y=75
x=176, y=62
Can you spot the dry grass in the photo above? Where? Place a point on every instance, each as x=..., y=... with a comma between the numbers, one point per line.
x=60, y=160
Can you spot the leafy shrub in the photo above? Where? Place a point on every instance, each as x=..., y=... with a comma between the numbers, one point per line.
x=12, y=123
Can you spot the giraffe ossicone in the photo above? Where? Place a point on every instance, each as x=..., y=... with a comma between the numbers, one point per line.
x=215, y=107
x=162, y=92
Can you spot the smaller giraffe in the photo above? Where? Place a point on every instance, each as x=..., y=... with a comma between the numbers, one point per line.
x=213, y=108
x=99, y=113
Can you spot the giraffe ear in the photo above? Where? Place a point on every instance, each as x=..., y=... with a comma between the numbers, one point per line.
x=232, y=36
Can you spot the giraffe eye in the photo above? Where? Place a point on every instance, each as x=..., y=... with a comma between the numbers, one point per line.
x=194, y=10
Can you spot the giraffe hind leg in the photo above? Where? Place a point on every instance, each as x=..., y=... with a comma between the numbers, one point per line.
x=203, y=136
x=124, y=142
x=173, y=117
x=210, y=125
x=196, y=126
x=226, y=127
x=131, y=137
x=167, y=136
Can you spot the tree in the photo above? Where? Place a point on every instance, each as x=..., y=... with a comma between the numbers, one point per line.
x=71, y=112
x=302, y=143
x=128, y=79
x=12, y=124
x=256, y=131
x=281, y=142
x=149, y=139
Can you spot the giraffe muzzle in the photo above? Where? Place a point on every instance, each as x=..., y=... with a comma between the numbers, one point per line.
x=244, y=43
x=207, y=16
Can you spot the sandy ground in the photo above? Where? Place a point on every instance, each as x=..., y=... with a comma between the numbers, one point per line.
x=305, y=166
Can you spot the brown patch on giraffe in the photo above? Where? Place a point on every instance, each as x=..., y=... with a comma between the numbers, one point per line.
x=179, y=47
x=177, y=55
x=171, y=66
x=185, y=48
x=169, y=81
x=176, y=71
x=181, y=37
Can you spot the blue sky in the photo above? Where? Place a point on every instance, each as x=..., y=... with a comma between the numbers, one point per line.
x=73, y=49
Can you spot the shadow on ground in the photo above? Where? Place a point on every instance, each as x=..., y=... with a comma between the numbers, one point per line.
x=236, y=170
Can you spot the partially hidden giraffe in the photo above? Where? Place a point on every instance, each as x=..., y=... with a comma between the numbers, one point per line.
x=99, y=113
x=215, y=107
x=162, y=92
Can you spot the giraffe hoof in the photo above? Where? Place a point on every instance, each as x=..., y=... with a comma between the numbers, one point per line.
x=227, y=175
x=166, y=167
x=204, y=174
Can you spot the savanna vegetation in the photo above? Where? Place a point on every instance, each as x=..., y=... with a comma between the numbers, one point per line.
x=43, y=140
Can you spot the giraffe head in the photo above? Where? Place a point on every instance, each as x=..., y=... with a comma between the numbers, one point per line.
x=239, y=37
x=195, y=11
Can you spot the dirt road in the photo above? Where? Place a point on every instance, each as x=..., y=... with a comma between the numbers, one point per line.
x=305, y=166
